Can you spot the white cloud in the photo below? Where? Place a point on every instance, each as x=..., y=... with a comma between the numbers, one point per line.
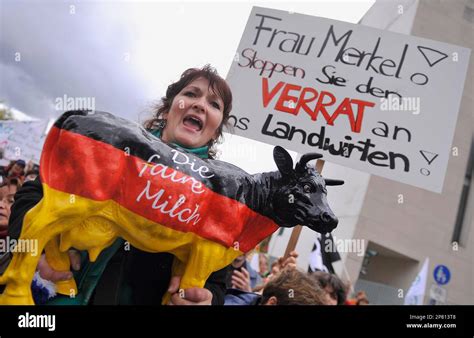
x=125, y=54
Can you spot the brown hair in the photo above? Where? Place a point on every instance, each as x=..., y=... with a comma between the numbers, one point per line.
x=216, y=83
x=12, y=181
x=293, y=287
x=326, y=279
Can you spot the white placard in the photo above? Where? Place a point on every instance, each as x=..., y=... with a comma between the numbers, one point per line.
x=373, y=100
x=22, y=140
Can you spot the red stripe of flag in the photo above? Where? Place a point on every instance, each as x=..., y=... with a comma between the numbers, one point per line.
x=98, y=170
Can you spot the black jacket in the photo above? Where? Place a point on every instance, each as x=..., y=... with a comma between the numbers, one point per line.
x=131, y=277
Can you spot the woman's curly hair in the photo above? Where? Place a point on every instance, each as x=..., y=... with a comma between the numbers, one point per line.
x=216, y=84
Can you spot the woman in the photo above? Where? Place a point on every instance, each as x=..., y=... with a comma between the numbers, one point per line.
x=194, y=112
x=192, y=116
x=8, y=189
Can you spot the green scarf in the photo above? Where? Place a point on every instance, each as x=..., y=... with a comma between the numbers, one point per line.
x=202, y=152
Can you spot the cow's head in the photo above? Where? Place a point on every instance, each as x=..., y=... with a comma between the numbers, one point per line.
x=301, y=197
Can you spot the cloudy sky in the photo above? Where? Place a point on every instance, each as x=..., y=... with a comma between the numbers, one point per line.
x=125, y=54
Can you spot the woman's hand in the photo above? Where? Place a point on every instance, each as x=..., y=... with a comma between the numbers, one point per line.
x=289, y=261
x=282, y=263
x=191, y=296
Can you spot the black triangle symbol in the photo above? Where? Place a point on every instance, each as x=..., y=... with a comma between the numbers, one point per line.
x=435, y=55
x=430, y=154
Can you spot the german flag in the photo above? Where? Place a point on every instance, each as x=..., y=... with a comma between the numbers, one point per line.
x=106, y=177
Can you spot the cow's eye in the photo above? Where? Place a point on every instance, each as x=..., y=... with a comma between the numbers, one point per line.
x=307, y=188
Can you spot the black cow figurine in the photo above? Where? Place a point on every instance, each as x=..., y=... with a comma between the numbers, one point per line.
x=105, y=177
x=298, y=196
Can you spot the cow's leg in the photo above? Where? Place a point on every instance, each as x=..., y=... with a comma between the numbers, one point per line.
x=59, y=261
x=178, y=269
x=205, y=257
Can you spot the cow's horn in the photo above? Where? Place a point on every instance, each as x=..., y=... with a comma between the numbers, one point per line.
x=305, y=159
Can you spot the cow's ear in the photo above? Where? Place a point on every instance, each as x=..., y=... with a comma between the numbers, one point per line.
x=283, y=161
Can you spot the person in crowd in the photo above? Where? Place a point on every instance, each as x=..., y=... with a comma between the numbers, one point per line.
x=280, y=264
x=336, y=290
x=289, y=287
x=247, y=293
x=31, y=175
x=31, y=171
x=361, y=298
x=263, y=265
x=16, y=169
x=293, y=287
x=8, y=189
x=240, y=275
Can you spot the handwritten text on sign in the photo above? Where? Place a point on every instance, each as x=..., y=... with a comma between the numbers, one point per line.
x=373, y=100
x=21, y=140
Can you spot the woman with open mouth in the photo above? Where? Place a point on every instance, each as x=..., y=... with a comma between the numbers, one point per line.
x=191, y=116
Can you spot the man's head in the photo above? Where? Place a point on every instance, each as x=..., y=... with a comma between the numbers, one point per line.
x=292, y=287
x=336, y=290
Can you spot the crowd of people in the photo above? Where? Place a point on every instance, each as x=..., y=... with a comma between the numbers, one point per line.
x=283, y=283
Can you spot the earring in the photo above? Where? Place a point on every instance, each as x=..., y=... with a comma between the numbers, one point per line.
x=161, y=124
